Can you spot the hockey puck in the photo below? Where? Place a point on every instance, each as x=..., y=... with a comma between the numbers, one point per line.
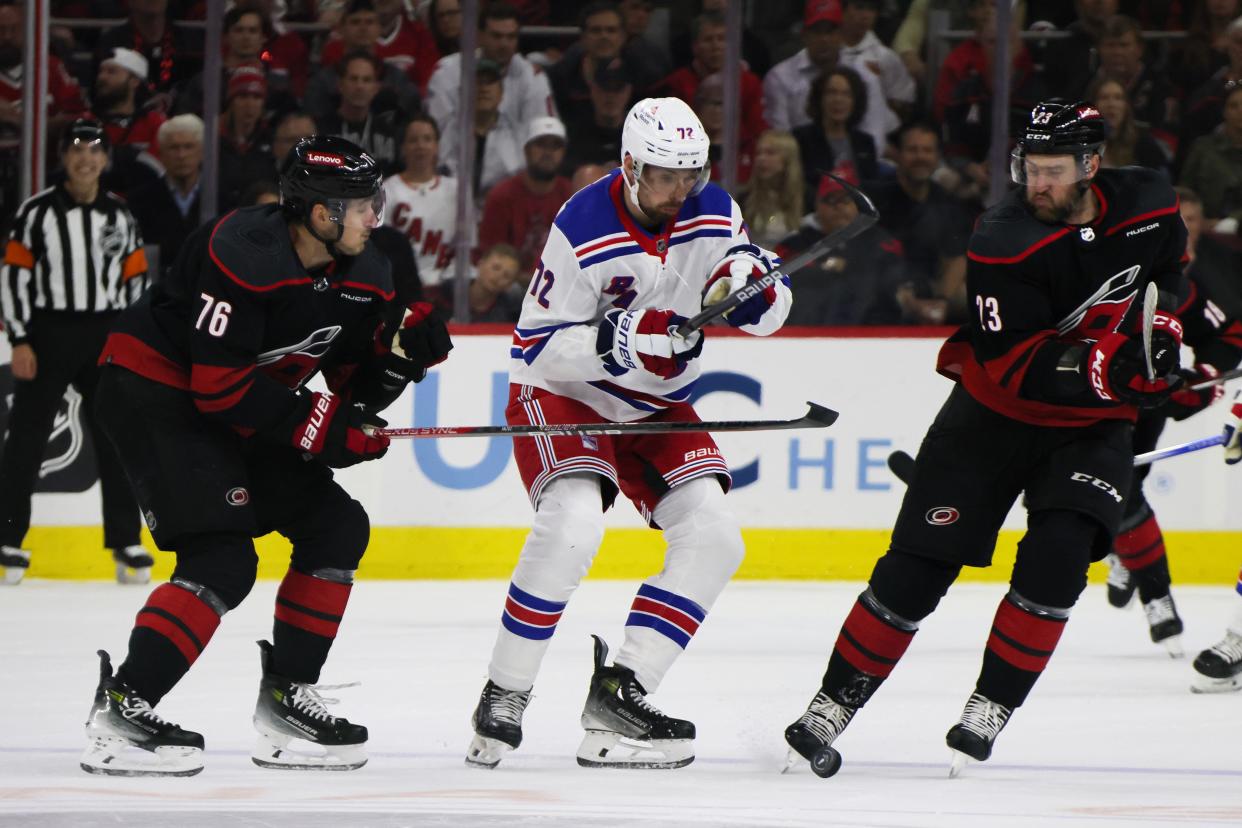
x=826, y=762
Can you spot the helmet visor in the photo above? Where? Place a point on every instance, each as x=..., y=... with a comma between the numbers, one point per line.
x=1055, y=170
x=360, y=213
x=663, y=182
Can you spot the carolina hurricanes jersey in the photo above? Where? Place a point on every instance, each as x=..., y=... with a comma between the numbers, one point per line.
x=239, y=323
x=597, y=258
x=427, y=214
x=1038, y=291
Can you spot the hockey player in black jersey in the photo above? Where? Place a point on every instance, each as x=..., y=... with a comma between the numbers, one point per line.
x=1210, y=307
x=1051, y=373
x=203, y=393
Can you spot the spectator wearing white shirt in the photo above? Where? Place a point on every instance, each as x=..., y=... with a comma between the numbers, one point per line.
x=498, y=151
x=786, y=86
x=526, y=91
x=861, y=49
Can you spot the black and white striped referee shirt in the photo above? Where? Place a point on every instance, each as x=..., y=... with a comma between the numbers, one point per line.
x=65, y=256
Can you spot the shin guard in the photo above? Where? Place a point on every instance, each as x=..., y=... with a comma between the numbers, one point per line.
x=1024, y=636
x=309, y=608
x=872, y=641
x=170, y=632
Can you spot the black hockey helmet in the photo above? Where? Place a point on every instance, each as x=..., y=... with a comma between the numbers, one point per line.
x=86, y=131
x=1057, y=128
x=329, y=170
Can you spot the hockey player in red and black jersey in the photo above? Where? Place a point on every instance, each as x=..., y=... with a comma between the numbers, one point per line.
x=1210, y=307
x=203, y=394
x=1051, y=373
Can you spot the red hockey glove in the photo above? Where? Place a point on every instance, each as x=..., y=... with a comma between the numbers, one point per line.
x=338, y=434
x=1117, y=371
x=741, y=265
x=1184, y=401
x=422, y=341
x=645, y=340
x=1233, y=431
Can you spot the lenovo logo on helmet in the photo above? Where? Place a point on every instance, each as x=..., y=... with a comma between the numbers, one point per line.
x=325, y=159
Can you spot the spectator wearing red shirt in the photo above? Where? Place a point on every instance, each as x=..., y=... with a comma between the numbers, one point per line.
x=708, y=46
x=519, y=210
x=120, y=77
x=403, y=43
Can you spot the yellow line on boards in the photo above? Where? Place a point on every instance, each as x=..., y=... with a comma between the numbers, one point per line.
x=453, y=553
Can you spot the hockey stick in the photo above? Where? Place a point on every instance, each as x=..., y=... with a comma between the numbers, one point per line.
x=867, y=216
x=1217, y=380
x=817, y=416
x=902, y=464
x=1150, y=298
x=1183, y=448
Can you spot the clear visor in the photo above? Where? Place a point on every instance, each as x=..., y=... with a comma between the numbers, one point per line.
x=663, y=182
x=359, y=213
x=1054, y=170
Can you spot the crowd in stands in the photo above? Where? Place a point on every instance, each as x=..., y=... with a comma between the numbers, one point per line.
x=840, y=86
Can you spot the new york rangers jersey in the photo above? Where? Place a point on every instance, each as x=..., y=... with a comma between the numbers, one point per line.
x=598, y=258
x=427, y=214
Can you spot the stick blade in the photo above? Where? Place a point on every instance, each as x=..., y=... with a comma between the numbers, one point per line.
x=902, y=466
x=820, y=416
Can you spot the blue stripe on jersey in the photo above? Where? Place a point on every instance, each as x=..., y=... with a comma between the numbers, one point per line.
x=701, y=234
x=630, y=401
x=682, y=393
x=526, y=630
x=526, y=333
x=589, y=214
x=611, y=253
x=528, y=353
x=640, y=619
x=674, y=600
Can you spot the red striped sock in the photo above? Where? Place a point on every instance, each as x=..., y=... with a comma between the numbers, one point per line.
x=1141, y=546
x=870, y=644
x=181, y=617
x=1022, y=639
x=308, y=616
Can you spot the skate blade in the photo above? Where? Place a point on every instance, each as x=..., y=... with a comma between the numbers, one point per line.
x=115, y=756
x=13, y=575
x=608, y=749
x=129, y=575
x=1173, y=646
x=486, y=753
x=1206, y=684
x=792, y=760
x=272, y=750
x=958, y=763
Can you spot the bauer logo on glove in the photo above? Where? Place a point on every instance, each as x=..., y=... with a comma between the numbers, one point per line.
x=741, y=266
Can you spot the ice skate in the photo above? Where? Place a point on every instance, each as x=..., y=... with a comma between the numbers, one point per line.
x=973, y=736
x=126, y=738
x=811, y=737
x=623, y=729
x=497, y=723
x=1121, y=586
x=289, y=710
x=1218, y=669
x=1165, y=624
x=15, y=562
x=133, y=565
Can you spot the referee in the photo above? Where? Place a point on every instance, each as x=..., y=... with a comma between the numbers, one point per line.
x=74, y=260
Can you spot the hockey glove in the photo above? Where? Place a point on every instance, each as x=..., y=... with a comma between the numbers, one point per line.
x=741, y=265
x=1117, y=372
x=422, y=341
x=339, y=435
x=1184, y=401
x=1233, y=431
x=645, y=340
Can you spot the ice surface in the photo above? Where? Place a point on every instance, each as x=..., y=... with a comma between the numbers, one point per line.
x=1110, y=737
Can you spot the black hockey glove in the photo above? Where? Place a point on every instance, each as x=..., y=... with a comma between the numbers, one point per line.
x=338, y=435
x=1185, y=402
x=1117, y=371
x=422, y=341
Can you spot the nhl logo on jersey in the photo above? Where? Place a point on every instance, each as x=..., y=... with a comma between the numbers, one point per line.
x=1087, y=234
x=112, y=240
x=661, y=245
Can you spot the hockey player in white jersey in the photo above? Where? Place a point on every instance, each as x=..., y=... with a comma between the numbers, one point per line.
x=628, y=259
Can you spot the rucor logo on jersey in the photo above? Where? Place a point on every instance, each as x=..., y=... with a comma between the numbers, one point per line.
x=1103, y=311
x=325, y=159
x=294, y=363
x=942, y=515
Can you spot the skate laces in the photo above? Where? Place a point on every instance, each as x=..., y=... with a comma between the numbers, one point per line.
x=1229, y=647
x=825, y=719
x=507, y=705
x=1160, y=610
x=1118, y=575
x=307, y=699
x=136, y=706
x=636, y=697
x=984, y=717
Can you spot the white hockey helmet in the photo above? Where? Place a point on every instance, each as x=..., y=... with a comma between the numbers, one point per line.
x=665, y=132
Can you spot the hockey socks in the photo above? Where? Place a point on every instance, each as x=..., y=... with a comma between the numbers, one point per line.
x=1141, y=550
x=170, y=632
x=309, y=609
x=872, y=641
x=1024, y=636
